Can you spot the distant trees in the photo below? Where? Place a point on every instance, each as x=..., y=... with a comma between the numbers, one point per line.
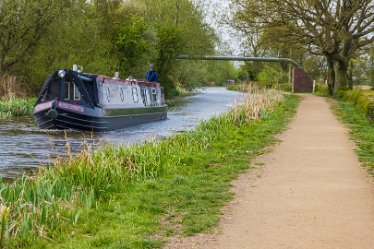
x=39, y=36
x=22, y=25
x=335, y=29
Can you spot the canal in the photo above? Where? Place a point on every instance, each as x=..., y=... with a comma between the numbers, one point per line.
x=24, y=147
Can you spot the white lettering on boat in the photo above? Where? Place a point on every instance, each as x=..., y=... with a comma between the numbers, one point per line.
x=70, y=107
x=43, y=106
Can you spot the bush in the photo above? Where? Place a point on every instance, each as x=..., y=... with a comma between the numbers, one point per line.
x=362, y=99
x=272, y=75
x=321, y=90
x=286, y=87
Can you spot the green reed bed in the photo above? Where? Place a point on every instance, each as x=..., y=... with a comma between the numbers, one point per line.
x=134, y=197
x=16, y=107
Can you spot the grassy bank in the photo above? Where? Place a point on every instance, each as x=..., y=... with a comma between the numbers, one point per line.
x=135, y=197
x=16, y=107
x=361, y=130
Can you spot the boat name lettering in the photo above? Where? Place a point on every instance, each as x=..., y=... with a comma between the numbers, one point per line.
x=71, y=107
x=43, y=106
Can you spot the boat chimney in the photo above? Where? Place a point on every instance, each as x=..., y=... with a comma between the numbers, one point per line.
x=75, y=67
x=116, y=75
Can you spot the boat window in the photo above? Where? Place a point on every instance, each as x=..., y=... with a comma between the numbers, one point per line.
x=143, y=92
x=154, y=96
x=122, y=95
x=135, y=95
x=68, y=94
x=107, y=94
x=53, y=91
x=71, y=92
x=77, y=93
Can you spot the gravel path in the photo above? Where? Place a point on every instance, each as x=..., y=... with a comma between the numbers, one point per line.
x=311, y=192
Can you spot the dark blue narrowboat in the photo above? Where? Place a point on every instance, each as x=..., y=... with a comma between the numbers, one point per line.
x=96, y=103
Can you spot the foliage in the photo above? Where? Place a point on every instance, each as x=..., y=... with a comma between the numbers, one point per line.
x=117, y=196
x=321, y=90
x=361, y=68
x=31, y=18
x=103, y=37
x=272, y=75
x=132, y=44
x=360, y=98
x=361, y=129
x=218, y=72
x=336, y=29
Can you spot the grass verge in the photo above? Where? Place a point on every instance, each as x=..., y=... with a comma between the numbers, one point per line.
x=135, y=197
x=361, y=130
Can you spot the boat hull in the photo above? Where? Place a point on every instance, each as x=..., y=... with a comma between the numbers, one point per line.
x=116, y=119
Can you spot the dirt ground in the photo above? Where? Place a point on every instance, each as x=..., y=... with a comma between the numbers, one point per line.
x=309, y=192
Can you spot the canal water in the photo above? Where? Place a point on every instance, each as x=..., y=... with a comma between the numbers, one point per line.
x=24, y=147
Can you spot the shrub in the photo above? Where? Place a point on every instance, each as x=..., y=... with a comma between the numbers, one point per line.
x=363, y=100
x=321, y=90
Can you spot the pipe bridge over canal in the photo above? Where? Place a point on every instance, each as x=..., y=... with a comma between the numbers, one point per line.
x=301, y=81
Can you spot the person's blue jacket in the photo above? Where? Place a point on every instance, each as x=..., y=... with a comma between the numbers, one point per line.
x=152, y=76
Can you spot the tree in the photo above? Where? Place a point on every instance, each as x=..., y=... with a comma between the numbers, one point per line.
x=39, y=36
x=180, y=30
x=335, y=29
x=132, y=43
x=22, y=24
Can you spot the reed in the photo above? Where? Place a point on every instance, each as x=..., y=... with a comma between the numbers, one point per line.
x=12, y=98
x=50, y=203
x=16, y=107
x=10, y=88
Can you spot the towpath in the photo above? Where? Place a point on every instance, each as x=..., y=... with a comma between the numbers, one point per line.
x=311, y=192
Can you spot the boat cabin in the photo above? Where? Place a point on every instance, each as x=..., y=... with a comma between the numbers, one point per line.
x=98, y=91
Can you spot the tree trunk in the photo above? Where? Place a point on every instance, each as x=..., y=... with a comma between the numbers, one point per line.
x=341, y=76
x=330, y=76
x=350, y=75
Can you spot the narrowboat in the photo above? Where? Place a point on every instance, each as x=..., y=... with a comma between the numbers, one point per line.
x=73, y=100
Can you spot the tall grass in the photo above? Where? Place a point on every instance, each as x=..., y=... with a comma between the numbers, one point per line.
x=362, y=99
x=12, y=98
x=50, y=203
x=16, y=107
x=285, y=87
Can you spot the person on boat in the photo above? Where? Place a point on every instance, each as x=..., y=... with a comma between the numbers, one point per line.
x=151, y=74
